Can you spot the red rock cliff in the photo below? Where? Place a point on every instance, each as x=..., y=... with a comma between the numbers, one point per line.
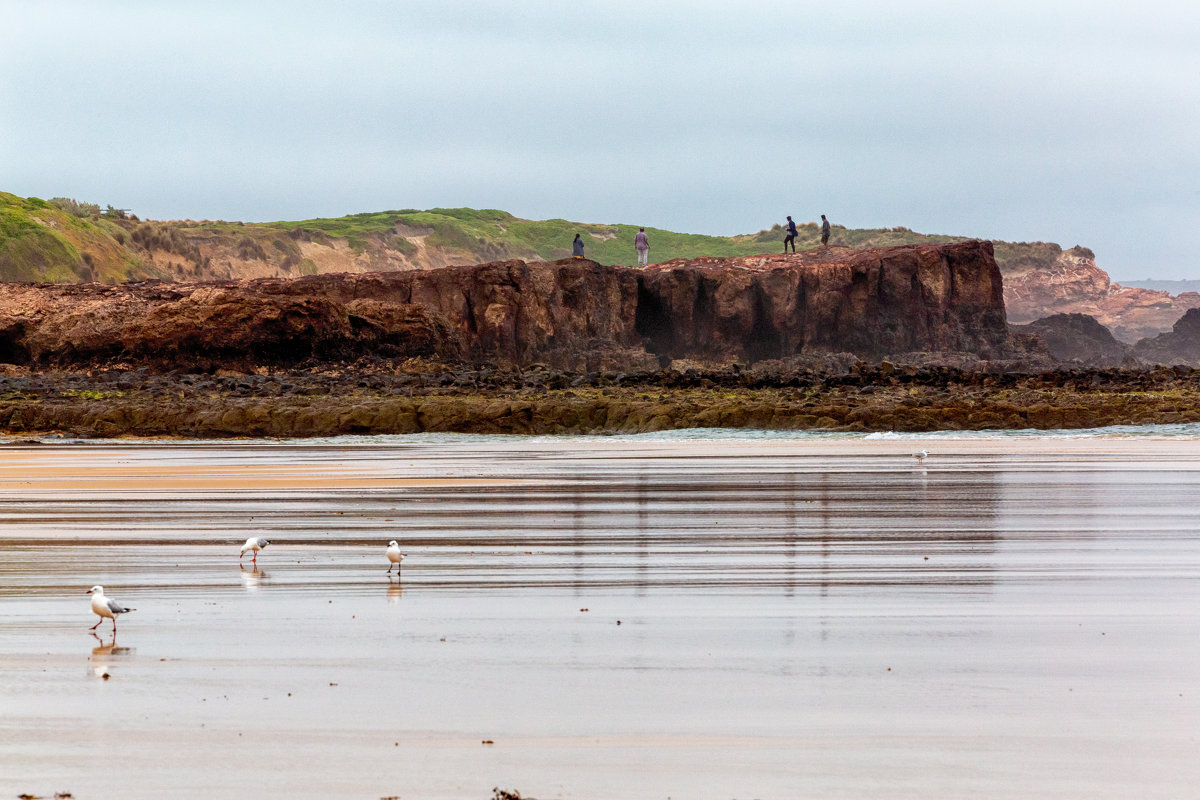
x=571, y=313
x=869, y=302
x=1073, y=284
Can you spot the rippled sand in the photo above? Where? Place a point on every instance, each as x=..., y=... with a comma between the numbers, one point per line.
x=819, y=617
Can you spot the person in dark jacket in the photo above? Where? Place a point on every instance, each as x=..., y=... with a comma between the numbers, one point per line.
x=791, y=236
x=824, y=231
x=577, y=247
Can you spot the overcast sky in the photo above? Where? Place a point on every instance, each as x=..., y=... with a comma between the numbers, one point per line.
x=1073, y=122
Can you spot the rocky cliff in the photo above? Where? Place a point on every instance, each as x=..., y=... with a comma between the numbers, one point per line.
x=66, y=241
x=573, y=314
x=1059, y=281
x=870, y=302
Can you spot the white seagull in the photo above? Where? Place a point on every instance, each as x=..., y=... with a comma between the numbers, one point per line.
x=105, y=607
x=921, y=455
x=254, y=543
x=394, y=556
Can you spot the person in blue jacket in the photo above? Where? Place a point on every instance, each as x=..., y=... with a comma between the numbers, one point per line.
x=791, y=236
x=577, y=247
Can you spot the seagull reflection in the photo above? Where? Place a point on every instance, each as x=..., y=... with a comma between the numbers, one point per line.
x=394, y=592
x=104, y=653
x=252, y=578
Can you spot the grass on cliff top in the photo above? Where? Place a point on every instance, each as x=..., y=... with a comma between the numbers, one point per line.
x=40, y=242
x=491, y=233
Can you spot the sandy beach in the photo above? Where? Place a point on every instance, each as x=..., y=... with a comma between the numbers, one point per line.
x=704, y=616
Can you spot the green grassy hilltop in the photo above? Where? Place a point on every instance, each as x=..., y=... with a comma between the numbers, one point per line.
x=491, y=234
x=64, y=241
x=42, y=242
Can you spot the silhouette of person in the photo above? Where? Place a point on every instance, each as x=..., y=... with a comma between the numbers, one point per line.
x=577, y=247
x=791, y=236
x=824, y=230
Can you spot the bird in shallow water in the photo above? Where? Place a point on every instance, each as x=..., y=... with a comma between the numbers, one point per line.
x=921, y=455
x=254, y=543
x=106, y=608
x=394, y=556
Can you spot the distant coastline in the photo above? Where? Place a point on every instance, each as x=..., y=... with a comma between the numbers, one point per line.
x=1174, y=288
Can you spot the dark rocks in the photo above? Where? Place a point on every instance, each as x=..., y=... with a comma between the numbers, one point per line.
x=1078, y=339
x=864, y=397
x=1180, y=346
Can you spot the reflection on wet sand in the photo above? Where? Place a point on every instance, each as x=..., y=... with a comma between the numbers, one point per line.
x=762, y=620
x=252, y=577
x=394, y=591
x=104, y=654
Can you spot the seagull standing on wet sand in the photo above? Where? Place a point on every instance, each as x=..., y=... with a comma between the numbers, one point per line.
x=921, y=455
x=394, y=556
x=106, y=608
x=254, y=543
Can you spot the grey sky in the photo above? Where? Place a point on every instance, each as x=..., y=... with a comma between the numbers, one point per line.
x=1073, y=122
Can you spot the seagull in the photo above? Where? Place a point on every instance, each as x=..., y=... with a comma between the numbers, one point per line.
x=254, y=543
x=104, y=607
x=394, y=556
x=921, y=455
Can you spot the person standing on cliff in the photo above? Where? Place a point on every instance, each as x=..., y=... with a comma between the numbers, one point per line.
x=577, y=247
x=643, y=247
x=824, y=231
x=791, y=236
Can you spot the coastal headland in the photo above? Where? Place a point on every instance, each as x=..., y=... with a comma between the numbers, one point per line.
x=905, y=338
x=569, y=314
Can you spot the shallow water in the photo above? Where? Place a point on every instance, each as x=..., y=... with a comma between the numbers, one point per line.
x=799, y=616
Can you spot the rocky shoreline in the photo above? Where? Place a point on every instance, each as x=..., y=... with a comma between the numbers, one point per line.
x=366, y=400
x=578, y=347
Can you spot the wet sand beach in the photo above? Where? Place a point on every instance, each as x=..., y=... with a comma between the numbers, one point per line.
x=710, y=615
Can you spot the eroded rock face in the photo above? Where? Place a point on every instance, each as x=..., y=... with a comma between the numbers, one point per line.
x=1079, y=340
x=1075, y=285
x=206, y=326
x=573, y=314
x=868, y=302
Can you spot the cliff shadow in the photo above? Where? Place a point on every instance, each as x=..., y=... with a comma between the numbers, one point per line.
x=652, y=322
x=765, y=340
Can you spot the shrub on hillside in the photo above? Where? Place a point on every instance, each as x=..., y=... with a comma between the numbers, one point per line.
x=76, y=208
x=163, y=237
x=250, y=249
